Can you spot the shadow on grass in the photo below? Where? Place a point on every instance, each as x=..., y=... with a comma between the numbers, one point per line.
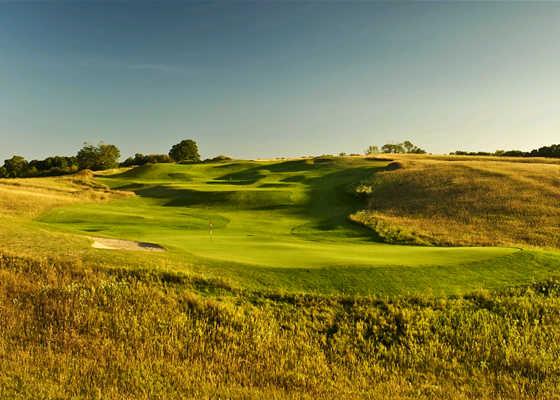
x=332, y=199
x=242, y=199
x=330, y=195
x=254, y=174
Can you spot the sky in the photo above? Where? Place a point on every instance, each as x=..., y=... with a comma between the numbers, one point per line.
x=269, y=79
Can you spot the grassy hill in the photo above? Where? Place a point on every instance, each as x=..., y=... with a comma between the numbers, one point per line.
x=280, y=226
x=466, y=202
x=267, y=289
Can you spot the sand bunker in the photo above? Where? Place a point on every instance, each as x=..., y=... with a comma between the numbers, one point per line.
x=120, y=244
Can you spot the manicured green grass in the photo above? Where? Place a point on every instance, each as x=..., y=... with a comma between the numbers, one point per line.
x=280, y=226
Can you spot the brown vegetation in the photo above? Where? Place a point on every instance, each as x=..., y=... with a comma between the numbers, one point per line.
x=427, y=200
x=29, y=197
x=72, y=331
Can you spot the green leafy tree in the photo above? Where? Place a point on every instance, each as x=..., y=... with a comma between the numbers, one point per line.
x=141, y=159
x=408, y=146
x=547, y=151
x=417, y=150
x=393, y=148
x=405, y=147
x=186, y=150
x=100, y=157
x=15, y=167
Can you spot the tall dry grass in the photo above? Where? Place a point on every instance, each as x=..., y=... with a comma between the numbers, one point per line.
x=30, y=197
x=74, y=331
x=428, y=201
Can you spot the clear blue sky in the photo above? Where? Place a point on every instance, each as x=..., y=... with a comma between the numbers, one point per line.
x=277, y=79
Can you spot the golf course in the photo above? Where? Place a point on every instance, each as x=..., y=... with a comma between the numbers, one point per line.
x=397, y=276
x=281, y=225
x=279, y=200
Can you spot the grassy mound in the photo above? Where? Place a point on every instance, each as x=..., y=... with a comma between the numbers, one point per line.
x=472, y=202
x=280, y=226
x=33, y=196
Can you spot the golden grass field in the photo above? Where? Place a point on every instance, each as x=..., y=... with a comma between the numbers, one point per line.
x=70, y=330
x=29, y=197
x=467, y=201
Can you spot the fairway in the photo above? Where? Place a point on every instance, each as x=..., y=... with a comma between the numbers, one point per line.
x=265, y=223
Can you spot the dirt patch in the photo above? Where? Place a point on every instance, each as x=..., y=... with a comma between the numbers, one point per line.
x=120, y=244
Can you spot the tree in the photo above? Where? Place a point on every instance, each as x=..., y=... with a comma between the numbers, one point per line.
x=547, y=151
x=141, y=159
x=372, y=150
x=102, y=156
x=417, y=150
x=186, y=150
x=15, y=167
x=392, y=148
x=514, y=153
x=52, y=166
x=408, y=146
x=405, y=147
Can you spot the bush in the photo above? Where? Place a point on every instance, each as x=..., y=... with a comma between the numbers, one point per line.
x=220, y=158
x=141, y=159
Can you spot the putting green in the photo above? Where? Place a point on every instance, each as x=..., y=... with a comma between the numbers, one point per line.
x=290, y=214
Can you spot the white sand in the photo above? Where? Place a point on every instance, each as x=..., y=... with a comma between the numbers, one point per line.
x=120, y=244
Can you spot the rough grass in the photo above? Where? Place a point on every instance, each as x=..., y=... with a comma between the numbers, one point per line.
x=68, y=330
x=32, y=196
x=473, y=202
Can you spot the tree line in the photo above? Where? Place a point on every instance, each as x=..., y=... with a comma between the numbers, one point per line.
x=552, y=151
x=406, y=147
x=106, y=156
x=96, y=158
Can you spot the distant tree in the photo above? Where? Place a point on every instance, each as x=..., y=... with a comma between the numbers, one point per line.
x=129, y=162
x=186, y=150
x=547, y=151
x=141, y=159
x=393, y=148
x=56, y=165
x=398, y=148
x=158, y=158
x=15, y=167
x=219, y=158
x=514, y=153
x=100, y=157
x=471, y=153
x=417, y=150
x=412, y=148
x=372, y=150
x=109, y=155
x=88, y=156
x=408, y=146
